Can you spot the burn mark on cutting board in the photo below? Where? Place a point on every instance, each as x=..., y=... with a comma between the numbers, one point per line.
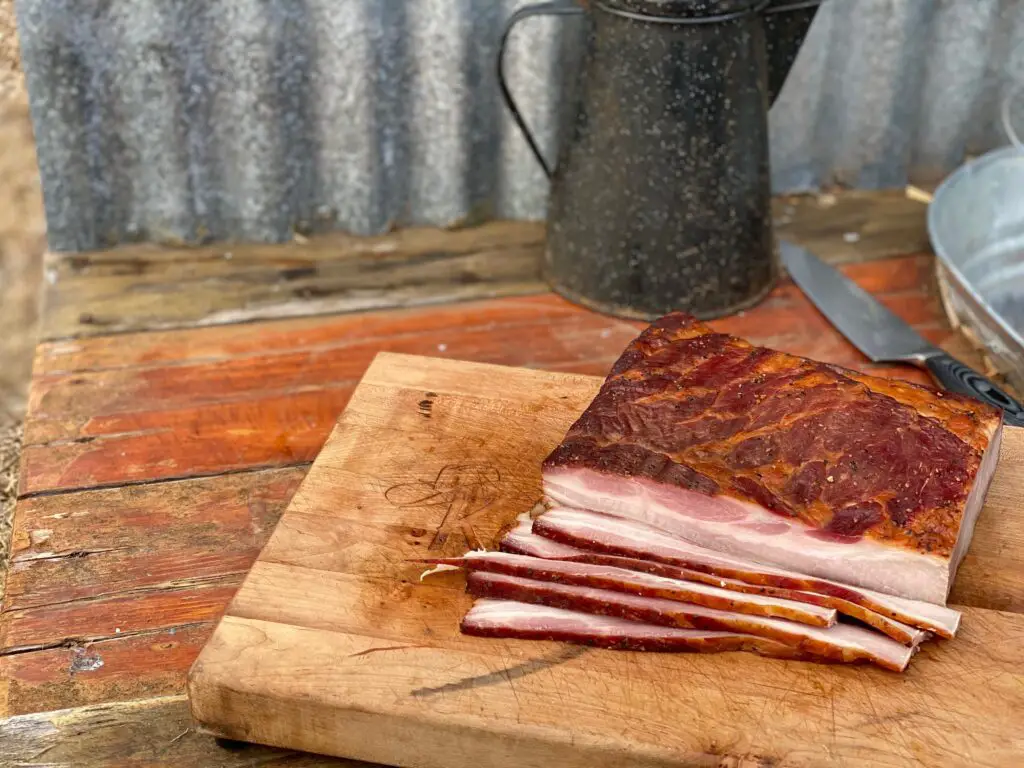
x=460, y=492
x=506, y=675
x=426, y=405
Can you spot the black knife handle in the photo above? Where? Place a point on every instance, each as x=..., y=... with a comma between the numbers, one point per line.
x=957, y=377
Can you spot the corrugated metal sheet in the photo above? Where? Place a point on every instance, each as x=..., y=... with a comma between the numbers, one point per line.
x=244, y=119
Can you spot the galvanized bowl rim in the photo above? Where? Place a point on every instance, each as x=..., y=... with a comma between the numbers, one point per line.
x=935, y=208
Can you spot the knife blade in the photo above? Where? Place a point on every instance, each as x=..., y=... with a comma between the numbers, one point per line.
x=882, y=336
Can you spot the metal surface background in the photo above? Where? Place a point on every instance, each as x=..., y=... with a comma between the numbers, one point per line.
x=247, y=119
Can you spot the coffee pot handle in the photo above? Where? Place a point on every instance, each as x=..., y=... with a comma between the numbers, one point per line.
x=558, y=8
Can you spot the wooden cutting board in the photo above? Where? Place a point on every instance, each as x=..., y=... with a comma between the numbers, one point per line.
x=334, y=645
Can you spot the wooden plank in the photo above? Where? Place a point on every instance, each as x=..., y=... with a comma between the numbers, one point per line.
x=854, y=225
x=213, y=345
x=273, y=431
x=136, y=734
x=91, y=621
x=79, y=554
x=894, y=280
x=266, y=395
x=894, y=277
x=334, y=644
x=121, y=668
x=145, y=287
x=94, y=544
x=148, y=287
x=87, y=403
x=122, y=646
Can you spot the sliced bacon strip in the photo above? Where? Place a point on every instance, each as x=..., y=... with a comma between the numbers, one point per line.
x=521, y=540
x=841, y=642
x=616, y=536
x=523, y=621
x=639, y=583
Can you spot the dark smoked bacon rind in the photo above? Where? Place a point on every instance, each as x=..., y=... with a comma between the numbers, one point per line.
x=525, y=621
x=957, y=414
x=848, y=456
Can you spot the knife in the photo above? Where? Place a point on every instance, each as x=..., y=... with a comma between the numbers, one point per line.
x=884, y=337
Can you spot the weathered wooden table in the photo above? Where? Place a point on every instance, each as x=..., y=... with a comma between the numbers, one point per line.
x=180, y=395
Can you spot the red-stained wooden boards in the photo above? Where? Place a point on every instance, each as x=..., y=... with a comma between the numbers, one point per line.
x=122, y=409
x=99, y=543
x=334, y=644
x=110, y=593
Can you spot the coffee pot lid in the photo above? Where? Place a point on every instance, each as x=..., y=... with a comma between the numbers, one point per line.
x=695, y=11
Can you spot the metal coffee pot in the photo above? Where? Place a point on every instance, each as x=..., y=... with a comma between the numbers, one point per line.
x=660, y=195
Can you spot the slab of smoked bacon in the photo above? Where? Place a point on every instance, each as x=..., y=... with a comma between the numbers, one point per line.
x=770, y=457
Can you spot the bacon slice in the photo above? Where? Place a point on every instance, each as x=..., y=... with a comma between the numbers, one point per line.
x=640, y=583
x=841, y=642
x=762, y=455
x=521, y=540
x=614, y=536
x=523, y=621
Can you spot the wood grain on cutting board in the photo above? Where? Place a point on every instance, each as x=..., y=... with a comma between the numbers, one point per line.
x=334, y=645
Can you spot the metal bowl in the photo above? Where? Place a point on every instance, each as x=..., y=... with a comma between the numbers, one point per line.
x=976, y=225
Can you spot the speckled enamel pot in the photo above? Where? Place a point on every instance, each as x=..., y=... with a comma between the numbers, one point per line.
x=660, y=197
